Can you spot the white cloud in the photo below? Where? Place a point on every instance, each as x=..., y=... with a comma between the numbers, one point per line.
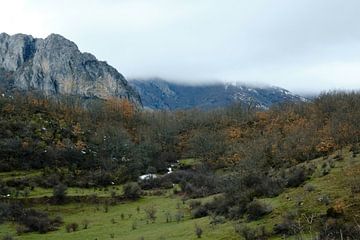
x=301, y=45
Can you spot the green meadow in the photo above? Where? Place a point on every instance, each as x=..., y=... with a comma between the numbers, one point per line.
x=173, y=220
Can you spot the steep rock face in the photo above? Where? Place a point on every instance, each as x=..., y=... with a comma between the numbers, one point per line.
x=55, y=65
x=160, y=94
x=15, y=50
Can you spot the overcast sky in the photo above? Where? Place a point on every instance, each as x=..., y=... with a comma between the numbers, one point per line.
x=301, y=45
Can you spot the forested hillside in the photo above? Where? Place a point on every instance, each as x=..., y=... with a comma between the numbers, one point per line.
x=41, y=132
x=236, y=155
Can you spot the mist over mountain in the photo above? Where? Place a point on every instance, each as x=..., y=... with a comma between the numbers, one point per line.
x=157, y=93
x=55, y=65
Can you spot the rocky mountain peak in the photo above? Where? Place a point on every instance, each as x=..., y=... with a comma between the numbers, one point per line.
x=55, y=65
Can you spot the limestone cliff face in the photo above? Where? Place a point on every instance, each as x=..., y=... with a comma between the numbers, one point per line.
x=55, y=65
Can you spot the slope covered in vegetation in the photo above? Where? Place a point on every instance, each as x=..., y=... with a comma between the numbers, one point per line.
x=291, y=170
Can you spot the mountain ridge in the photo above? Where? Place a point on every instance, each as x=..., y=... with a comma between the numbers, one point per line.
x=157, y=93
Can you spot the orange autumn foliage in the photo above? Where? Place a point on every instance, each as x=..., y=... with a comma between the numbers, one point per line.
x=120, y=106
x=234, y=133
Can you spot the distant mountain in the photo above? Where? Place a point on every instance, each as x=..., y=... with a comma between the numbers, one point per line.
x=160, y=94
x=55, y=65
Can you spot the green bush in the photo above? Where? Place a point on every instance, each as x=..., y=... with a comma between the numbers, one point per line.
x=251, y=233
x=287, y=226
x=59, y=193
x=72, y=227
x=256, y=209
x=132, y=190
x=7, y=237
x=199, y=212
x=296, y=176
x=198, y=231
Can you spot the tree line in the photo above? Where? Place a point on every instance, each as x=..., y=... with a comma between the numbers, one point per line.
x=115, y=138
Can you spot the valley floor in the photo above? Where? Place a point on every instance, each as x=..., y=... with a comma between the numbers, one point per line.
x=128, y=221
x=124, y=221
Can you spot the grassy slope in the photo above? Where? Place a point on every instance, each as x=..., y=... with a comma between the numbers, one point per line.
x=18, y=174
x=335, y=185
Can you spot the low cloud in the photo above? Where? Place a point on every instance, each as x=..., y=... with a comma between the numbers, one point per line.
x=304, y=46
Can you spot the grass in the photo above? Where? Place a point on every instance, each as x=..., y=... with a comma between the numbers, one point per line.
x=18, y=174
x=38, y=192
x=74, y=191
x=333, y=185
x=188, y=162
x=108, y=225
x=48, y=192
x=104, y=225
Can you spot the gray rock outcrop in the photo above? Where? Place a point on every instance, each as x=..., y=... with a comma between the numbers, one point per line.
x=55, y=65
